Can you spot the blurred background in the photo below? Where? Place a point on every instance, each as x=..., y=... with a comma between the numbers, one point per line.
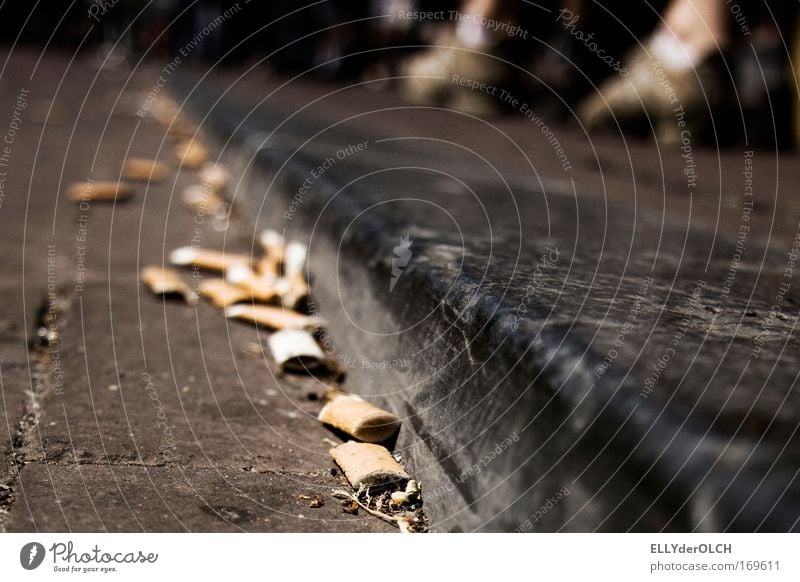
x=604, y=64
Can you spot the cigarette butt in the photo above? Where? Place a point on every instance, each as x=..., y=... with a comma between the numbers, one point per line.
x=295, y=292
x=108, y=191
x=200, y=198
x=273, y=244
x=274, y=317
x=294, y=259
x=142, y=169
x=358, y=418
x=221, y=293
x=191, y=153
x=261, y=287
x=207, y=259
x=296, y=351
x=215, y=177
x=368, y=465
x=167, y=282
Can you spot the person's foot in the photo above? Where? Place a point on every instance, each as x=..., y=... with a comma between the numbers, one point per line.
x=670, y=96
x=450, y=75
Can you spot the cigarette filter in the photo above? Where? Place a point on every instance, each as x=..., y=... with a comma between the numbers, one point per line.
x=215, y=177
x=274, y=317
x=358, y=418
x=207, y=259
x=221, y=293
x=191, y=153
x=104, y=191
x=368, y=465
x=143, y=170
x=296, y=351
x=262, y=287
x=167, y=282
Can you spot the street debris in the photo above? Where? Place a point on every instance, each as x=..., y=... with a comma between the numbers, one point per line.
x=272, y=291
x=100, y=191
x=144, y=170
x=313, y=502
x=369, y=466
x=221, y=293
x=167, y=283
x=207, y=259
x=355, y=416
x=296, y=351
x=191, y=153
x=276, y=318
x=215, y=177
x=260, y=286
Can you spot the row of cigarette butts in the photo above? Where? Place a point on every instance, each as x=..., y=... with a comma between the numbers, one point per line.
x=268, y=292
x=272, y=291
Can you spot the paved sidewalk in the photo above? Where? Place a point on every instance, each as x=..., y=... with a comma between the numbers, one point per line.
x=143, y=415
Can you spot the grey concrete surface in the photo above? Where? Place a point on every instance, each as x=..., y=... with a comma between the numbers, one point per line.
x=603, y=314
x=145, y=415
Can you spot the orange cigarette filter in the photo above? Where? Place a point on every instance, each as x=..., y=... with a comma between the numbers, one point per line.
x=221, y=293
x=261, y=287
x=142, y=169
x=368, y=465
x=166, y=282
x=191, y=154
x=104, y=191
x=358, y=418
x=208, y=259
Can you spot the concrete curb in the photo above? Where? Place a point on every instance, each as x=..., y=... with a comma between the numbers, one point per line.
x=500, y=424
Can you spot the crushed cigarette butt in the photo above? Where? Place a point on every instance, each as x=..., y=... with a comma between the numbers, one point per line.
x=274, y=317
x=296, y=351
x=105, y=191
x=142, y=169
x=207, y=259
x=358, y=418
x=166, y=282
x=368, y=465
x=221, y=293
